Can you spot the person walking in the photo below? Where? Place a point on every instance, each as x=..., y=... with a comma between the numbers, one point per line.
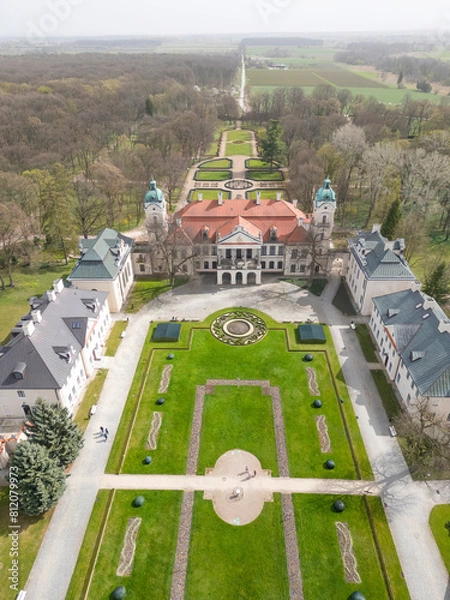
x=102, y=430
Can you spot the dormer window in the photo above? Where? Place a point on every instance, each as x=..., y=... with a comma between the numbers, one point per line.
x=19, y=370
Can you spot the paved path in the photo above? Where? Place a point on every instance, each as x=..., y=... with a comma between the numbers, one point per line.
x=407, y=503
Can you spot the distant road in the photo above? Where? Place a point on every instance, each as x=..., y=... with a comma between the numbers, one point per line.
x=241, y=100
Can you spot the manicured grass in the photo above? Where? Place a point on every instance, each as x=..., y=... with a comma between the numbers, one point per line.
x=31, y=534
x=366, y=343
x=155, y=546
x=256, y=163
x=29, y=281
x=264, y=175
x=146, y=289
x=212, y=175
x=269, y=359
x=238, y=418
x=218, y=163
x=91, y=396
x=320, y=556
x=317, y=285
x=227, y=561
x=342, y=301
x=239, y=149
x=238, y=134
x=208, y=194
x=387, y=395
x=440, y=515
x=268, y=194
x=114, y=338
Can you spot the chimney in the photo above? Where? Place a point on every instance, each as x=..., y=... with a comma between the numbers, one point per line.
x=51, y=295
x=415, y=286
x=58, y=285
x=258, y=198
x=278, y=196
x=220, y=197
x=376, y=227
x=444, y=326
x=36, y=315
x=295, y=202
x=300, y=222
x=200, y=196
x=28, y=328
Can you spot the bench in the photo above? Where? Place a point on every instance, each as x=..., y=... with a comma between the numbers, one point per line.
x=21, y=595
x=393, y=431
x=93, y=410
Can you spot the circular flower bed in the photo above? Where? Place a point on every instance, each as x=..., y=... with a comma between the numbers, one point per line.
x=239, y=328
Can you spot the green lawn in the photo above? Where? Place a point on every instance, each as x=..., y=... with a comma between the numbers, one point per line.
x=264, y=175
x=91, y=396
x=208, y=194
x=256, y=163
x=320, y=556
x=212, y=175
x=238, y=134
x=287, y=370
x=155, y=546
x=115, y=337
x=239, y=149
x=268, y=194
x=366, y=343
x=386, y=391
x=227, y=562
x=28, y=281
x=147, y=289
x=32, y=531
x=440, y=515
x=218, y=163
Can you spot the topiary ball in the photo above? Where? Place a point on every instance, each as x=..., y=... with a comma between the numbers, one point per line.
x=171, y=356
x=160, y=401
x=357, y=596
x=147, y=460
x=308, y=357
x=317, y=403
x=138, y=501
x=119, y=593
x=330, y=464
x=339, y=506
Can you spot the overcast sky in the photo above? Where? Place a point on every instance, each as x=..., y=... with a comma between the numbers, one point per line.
x=162, y=17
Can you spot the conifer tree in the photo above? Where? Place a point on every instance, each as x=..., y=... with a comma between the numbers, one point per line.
x=51, y=426
x=273, y=148
x=437, y=283
x=391, y=220
x=40, y=480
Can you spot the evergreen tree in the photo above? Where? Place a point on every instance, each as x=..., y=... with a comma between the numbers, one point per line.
x=391, y=220
x=41, y=481
x=437, y=283
x=273, y=148
x=51, y=426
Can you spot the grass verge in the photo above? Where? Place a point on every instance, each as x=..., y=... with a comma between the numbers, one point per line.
x=387, y=394
x=366, y=343
x=115, y=337
x=439, y=517
x=91, y=396
x=147, y=289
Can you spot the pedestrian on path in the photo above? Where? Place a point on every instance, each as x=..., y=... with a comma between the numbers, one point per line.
x=105, y=435
x=254, y=473
x=102, y=430
x=106, y=431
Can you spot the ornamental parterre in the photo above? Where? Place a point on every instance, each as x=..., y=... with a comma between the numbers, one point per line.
x=239, y=328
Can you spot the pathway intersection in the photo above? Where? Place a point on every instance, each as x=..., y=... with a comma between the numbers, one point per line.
x=407, y=503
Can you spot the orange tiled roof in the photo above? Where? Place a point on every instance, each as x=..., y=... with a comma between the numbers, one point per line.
x=254, y=217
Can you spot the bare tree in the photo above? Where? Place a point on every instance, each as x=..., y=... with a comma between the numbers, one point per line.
x=12, y=220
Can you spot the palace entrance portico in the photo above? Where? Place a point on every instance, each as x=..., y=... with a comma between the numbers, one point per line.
x=239, y=276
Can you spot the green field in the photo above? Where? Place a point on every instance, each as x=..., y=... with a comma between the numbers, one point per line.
x=239, y=134
x=208, y=194
x=264, y=175
x=233, y=149
x=257, y=163
x=207, y=175
x=218, y=163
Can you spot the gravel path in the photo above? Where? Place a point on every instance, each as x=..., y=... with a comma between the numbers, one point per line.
x=182, y=553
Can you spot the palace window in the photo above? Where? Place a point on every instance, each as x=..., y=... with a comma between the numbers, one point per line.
x=264, y=251
x=280, y=264
x=272, y=250
x=294, y=253
x=280, y=250
x=142, y=268
x=302, y=268
x=249, y=253
x=271, y=264
x=292, y=268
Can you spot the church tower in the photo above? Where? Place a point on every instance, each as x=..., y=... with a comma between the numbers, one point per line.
x=155, y=206
x=323, y=216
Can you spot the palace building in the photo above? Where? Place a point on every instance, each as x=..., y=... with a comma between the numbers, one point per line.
x=240, y=239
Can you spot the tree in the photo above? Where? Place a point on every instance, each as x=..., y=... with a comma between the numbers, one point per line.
x=425, y=439
x=391, y=220
x=272, y=147
x=437, y=283
x=423, y=86
x=174, y=168
x=171, y=250
x=12, y=222
x=41, y=481
x=51, y=426
x=400, y=85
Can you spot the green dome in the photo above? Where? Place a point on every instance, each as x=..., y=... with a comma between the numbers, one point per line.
x=325, y=193
x=154, y=194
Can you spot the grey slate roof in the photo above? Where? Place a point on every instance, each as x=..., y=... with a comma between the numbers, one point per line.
x=44, y=352
x=375, y=257
x=424, y=349
x=100, y=258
